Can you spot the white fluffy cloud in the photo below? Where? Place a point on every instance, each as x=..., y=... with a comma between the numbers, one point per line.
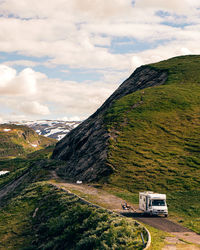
x=24, y=83
x=73, y=32
x=30, y=93
x=72, y=98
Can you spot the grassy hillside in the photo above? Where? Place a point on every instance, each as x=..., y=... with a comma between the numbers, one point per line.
x=182, y=69
x=44, y=217
x=155, y=136
x=37, y=215
x=154, y=145
x=18, y=141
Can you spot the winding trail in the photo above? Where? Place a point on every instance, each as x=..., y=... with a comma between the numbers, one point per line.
x=180, y=238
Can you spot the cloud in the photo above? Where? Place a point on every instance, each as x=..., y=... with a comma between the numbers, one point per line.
x=107, y=37
x=163, y=52
x=186, y=51
x=175, y=6
x=34, y=108
x=72, y=118
x=13, y=117
x=63, y=8
x=6, y=75
x=80, y=33
x=25, y=63
x=24, y=83
x=74, y=98
x=102, y=8
x=51, y=96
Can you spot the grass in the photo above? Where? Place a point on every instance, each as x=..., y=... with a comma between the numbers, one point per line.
x=122, y=193
x=19, y=166
x=160, y=139
x=154, y=145
x=184, y=208
x=18, y=141
x=40, y=216
x=44, y=217
x=182, y=69
x=154, y=139
x=24, y=171
x=157, y=238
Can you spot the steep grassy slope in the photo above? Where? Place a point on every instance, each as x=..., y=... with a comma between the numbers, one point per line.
x=145, y=136
x=155, y=138
x=18, y=141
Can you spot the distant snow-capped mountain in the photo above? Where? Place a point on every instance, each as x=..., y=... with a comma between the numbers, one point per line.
x=51, y=128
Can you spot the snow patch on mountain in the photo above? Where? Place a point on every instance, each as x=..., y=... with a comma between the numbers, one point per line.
x=7, y=130
x=56, y=129
x=4, y=172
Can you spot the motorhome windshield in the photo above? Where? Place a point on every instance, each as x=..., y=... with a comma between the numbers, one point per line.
x=158, y=202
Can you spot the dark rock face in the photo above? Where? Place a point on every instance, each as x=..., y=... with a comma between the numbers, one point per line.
x=85, y=148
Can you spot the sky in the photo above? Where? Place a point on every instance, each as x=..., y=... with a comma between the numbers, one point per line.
x=61, y=59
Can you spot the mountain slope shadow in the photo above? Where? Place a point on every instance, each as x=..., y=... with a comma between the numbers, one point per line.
x=85, y=148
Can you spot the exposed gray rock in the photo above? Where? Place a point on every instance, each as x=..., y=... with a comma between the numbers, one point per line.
x=85, y=148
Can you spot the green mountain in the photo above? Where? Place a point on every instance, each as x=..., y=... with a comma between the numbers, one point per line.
x=18, y=141
x=146, y=136
x=155, y=132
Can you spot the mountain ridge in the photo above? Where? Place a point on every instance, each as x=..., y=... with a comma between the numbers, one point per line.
x=86, y=149
x=89, y=164
x=147, y=139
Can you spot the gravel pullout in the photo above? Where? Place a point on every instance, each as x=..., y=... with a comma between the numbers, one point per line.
x=102, y=198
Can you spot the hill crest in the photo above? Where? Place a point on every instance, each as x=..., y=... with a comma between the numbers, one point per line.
x=88, y=149
x=85, y=148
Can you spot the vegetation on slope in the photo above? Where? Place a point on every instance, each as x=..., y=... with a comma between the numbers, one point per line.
x=41, y=216
x=24, y=171
x=154, y=145
x=155, y=135
x=18, y=141
x=182, y=69
x=44, y=217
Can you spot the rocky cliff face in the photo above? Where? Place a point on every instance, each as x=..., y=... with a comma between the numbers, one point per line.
x=84, y=149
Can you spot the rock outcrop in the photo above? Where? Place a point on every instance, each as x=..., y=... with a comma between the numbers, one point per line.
x=84, y=149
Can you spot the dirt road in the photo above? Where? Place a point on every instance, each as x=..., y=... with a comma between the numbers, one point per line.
x=109, y=201
x=157, y=222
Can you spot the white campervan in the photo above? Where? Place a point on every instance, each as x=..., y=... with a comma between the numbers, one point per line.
x=153, y=203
